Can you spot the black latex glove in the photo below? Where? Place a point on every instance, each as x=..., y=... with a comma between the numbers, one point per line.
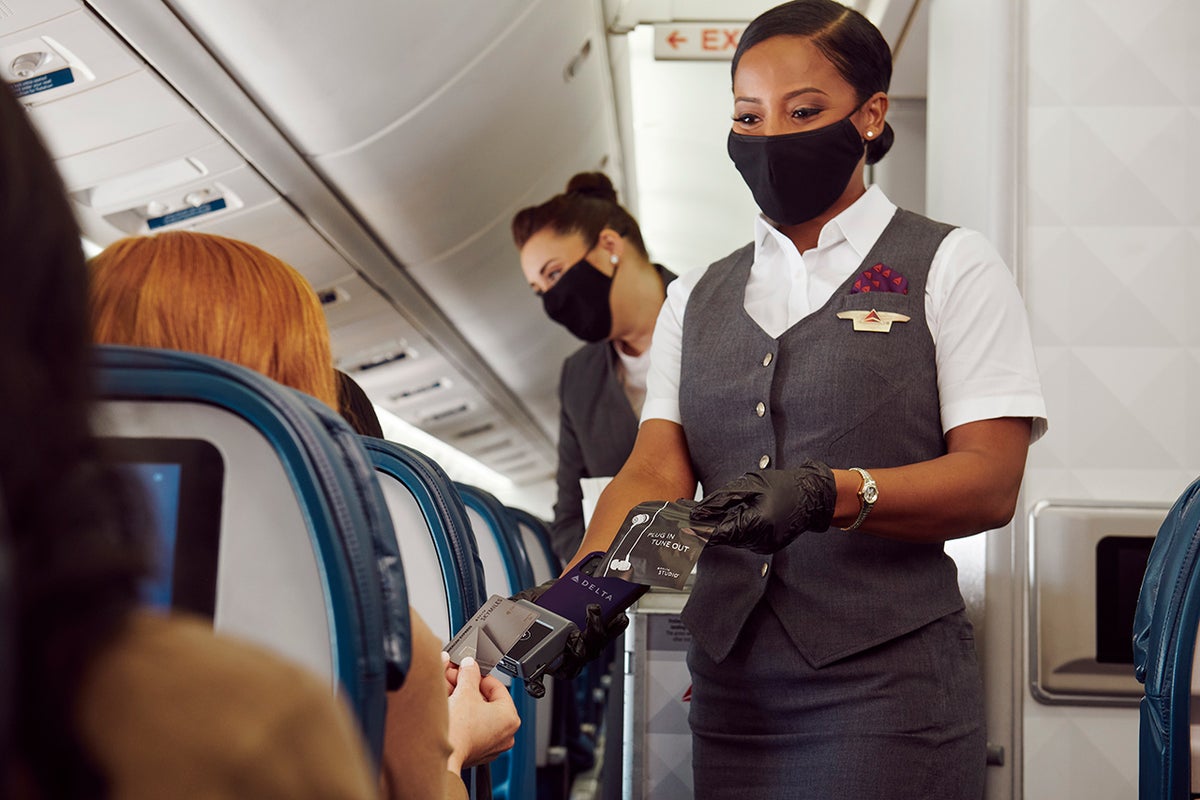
x=582, y=646
x=764, y=511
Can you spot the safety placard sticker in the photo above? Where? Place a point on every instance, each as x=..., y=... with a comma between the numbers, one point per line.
x=155, y=223
x=43, y=83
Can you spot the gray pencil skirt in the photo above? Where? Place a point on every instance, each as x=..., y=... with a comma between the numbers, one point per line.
x=900, y=721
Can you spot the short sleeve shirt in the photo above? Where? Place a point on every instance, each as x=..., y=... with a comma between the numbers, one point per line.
x=985, y=362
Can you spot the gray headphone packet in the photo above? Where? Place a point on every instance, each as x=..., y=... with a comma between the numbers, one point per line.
x=657, y=545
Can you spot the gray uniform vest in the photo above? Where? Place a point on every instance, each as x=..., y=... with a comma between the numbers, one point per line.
x=823, y=391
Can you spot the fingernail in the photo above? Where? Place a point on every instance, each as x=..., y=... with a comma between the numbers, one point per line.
x=468, y=661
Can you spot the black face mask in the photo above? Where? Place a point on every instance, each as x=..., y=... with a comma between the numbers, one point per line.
x=796, y=176
x=579, y=302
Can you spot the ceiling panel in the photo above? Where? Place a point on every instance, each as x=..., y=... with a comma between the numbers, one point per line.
x=335, y=73
x=456, y=167
x=21, y=15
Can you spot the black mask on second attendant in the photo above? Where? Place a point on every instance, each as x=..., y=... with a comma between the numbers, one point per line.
x=579, y=302
x=794, y=177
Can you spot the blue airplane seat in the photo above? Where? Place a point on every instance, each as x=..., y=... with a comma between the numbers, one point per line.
x=294, y=511
x=558, y=721
x=445, y=574
x=389, y=565
x=546, y=564
x=446, y=585
x=506, y=570
x=1164, y=645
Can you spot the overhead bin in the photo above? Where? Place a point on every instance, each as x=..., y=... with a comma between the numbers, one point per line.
x=398, y=177
x=335, y=74
x=92, y=167
x=107, y=113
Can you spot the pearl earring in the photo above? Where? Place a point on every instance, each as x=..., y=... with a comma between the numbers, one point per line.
x=870, y=134
x=613, y=259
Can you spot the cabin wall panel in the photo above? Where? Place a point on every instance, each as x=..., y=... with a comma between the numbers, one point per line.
x=1085, y=177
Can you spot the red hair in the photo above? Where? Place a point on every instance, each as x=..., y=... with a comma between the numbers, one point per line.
x=218, y=297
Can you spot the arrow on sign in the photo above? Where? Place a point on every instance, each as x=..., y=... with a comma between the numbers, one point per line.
x=675, y=40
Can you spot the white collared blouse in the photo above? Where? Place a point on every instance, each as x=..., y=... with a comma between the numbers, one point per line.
x=985, y=361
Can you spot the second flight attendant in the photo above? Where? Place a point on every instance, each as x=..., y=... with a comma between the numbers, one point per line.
x=857, y=385
x=583, y=253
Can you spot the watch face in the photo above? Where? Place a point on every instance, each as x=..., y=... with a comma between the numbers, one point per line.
x=869, y=493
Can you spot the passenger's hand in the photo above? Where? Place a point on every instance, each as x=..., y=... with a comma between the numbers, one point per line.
x=451, y=670
x=483, y=719
x=765, y=511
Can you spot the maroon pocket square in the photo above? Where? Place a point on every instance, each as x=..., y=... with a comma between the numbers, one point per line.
x=880, y=278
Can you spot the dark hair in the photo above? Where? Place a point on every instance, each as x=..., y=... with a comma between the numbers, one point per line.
x=355, y=407
x=852, y=44
x=77, y=555
x=588, y=206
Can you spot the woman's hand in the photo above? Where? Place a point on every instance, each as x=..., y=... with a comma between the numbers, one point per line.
x=483, y=719
x=764, y=511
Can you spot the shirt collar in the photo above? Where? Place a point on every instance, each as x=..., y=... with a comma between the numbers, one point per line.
x=860, y=225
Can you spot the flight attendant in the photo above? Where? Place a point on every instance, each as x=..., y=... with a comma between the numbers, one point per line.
x=583, y=254
x=853, y=387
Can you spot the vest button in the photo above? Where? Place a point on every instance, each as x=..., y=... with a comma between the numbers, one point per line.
x=767, y=360
x=762, y=462
x=760, y=409
x=765, y=567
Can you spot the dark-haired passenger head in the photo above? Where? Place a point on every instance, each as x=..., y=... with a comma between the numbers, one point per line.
x=356, y=408
x=76, y=559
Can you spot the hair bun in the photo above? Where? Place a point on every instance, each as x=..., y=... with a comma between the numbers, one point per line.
x=593, y=184
x=878, y=147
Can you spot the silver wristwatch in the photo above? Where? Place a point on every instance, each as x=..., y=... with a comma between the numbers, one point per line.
x=868, y=493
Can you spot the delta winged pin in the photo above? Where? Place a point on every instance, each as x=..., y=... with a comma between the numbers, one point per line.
x=873, y=321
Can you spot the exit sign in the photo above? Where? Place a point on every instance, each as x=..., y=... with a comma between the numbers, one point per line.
x=692, y=41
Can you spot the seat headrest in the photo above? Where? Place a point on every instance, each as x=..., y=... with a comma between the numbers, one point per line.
x=1170, y=571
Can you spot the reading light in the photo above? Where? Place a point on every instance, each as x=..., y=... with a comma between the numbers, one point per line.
x=27, y=65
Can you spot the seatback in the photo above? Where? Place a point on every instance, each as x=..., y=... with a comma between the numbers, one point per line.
x=445, y=576
x=300, y=516
x=446, y=585
x=536, y=537
x=552, y=724
x=506, y=570
x=1164, y=647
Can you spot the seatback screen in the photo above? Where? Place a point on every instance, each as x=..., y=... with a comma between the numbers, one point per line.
x=179, y=484
x=160, y=491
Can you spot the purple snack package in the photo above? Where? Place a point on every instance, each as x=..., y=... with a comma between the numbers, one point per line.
x=570, y=596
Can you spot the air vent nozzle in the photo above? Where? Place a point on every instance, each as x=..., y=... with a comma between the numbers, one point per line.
x=421, y=389
x=446, y=413
x=332, y=296
x=381, y=360
x=475, y=431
